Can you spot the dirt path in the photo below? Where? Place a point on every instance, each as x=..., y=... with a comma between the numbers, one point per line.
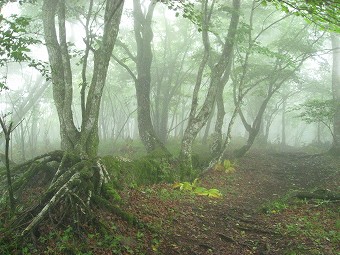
x=235, y=224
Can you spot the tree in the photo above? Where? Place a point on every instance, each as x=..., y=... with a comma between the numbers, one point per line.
x=319, y=111
x=144, y=36
x=14, y=46
x=336, y=92
x=7, y=129
x=173, y=71
x=143, y=60
x=85, y=140
x=263, y=70
x=77, y=177
x=197, y=119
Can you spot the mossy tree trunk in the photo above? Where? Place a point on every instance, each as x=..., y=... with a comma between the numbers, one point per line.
x=75, y=176
x=83, y=139
x=67, y=180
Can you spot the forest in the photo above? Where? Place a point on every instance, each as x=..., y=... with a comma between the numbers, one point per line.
x=170, y=127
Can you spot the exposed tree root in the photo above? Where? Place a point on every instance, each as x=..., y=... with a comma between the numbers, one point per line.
x=68, y=188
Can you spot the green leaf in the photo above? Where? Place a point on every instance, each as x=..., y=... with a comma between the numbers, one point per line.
x=215, y=193
x=186, y=186
x=201, y=191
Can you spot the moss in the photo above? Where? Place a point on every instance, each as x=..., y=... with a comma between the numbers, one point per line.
x=110, y=192
x=146, y=170
x=87, y=172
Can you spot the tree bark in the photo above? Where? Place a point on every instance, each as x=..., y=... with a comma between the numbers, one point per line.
x=336, y=93
x=197, y=121
x=85, y=141
x=253, y=129
x=283, y=124
x=144, y=36
x=7, y=132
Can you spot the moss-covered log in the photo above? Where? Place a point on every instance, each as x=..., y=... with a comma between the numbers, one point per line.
x=323, y=194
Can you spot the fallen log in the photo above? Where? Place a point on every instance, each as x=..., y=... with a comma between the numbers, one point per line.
x=323, y=194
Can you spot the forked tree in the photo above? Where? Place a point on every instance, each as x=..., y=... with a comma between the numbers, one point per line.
x=84, y=141
x=198, y=117
x=77, y=178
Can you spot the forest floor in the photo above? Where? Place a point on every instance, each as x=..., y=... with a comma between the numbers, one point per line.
x=258, y=213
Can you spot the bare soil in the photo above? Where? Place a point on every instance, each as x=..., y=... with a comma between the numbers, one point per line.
x=257, y=214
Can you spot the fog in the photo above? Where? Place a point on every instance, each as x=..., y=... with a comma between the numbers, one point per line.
x=176, y=52
x=169, y=127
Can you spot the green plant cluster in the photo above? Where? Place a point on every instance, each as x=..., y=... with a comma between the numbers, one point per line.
x=196, y=189
x=227, y=166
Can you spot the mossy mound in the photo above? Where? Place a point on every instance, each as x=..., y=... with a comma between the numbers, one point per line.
x=143, y=171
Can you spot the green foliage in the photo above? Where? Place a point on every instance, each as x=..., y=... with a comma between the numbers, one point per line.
x=187, y=10
x=110, y=191
x=227, y=166
x=274, y=207
x=166, y=194
x=323, y=13
x=196, y=189
x=280, y=204
x=318, y=111
x=15, y=43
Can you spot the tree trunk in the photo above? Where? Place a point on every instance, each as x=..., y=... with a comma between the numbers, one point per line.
x=253, y=129
x=84, y=141
x=218, y=138
x=283, y=124
x=144, y=36
x=336, y=92
x=207, y=127
x=28, y=102
x=7, y=133
x=197, y=121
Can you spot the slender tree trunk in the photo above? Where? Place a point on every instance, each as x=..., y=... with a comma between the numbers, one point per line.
x=253, y=129
x=283, y=124
x=7, y=133
x=28, y=102
x=197, y=121
x=163, y=132
x=218, y=139
x=336, y=92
